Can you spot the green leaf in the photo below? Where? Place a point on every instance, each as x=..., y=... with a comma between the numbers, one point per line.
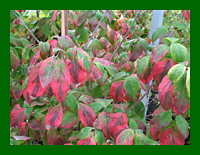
x=26, y=53
x=24, y=42
x=179, y=25
x=132, y=124
x=24, y=84
x=125, y=137
x=84, y=36
x=132, y=87
x=96, y=106
x=96, y=92
x=176, y=72
x=182, y=125
x=72, y=102
x=141, y=139
x=46, y=29
x=170, y=40
x=159, y=32
x=118, y=76
x=188, y=81
x=165, y=119
x=178, y=52
x=111, y=70
x=85, y=132
x=99, y=137
x=28, y=111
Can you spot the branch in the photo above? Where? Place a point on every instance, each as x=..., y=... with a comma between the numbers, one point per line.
x=25, y=26
x=127, y=32
x=96, y=28
x=147, y=92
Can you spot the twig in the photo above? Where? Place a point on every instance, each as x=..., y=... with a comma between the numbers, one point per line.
x=147, y=92
x=25, y=26
x=144, y=107
x=96, y=28
x=127, y=32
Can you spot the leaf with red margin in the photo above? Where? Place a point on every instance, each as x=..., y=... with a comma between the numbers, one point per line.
x=87, y=141
x=14, y=60
x=84, y=16
x=34, y=87
x=17, y=116
x=140, y=82
x=117, y=123
x=102, y=123
x=53, y=43
x=54, y=117
x=182, y=126
x=70, y=119
x=159, y=52
x=65, y=42
x=117, y=91
x=35, y=58
x=34, y=124
x=86, y=99
x=165, y=90
x=161, y=68
x=138, y=49
x=16, y=91
x=27, y=95
x=47, y=71
x=104, y=43
x=44, y=48
x=170, y=136
x=125, y=137
x=186, y=14
x=96, y=74
x=55, y=13
x=73, y=18
x=144, y=70
x=77, y=75
x=112, y=35
x=23, y=129
x=180, y=100
x=102, y=61
x=95, y=46
x=86, y=114
x=51, y=136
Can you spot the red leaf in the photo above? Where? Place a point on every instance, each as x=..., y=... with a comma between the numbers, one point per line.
x=159, y=52
x=165, y=90
x=86, y=114
x=47, y=71
x=154, y=132
x=96, y=74
x=112, y=35
x=14, y=60
x=170, y=136
x=102, y=123
x=102, y=61
x=180, y=104
x=77, y=75
x=16, y=91
x=23, y=129
x=54, y=117
x=186, y=14
x=87, y=141
x=117, y=91
x=53, y=43
x=35, y=58
x=55, y=13
x=68, y=144
x=51, y=136
x=27, y=95
x=161, y=68
x=16, y=21
x=20, y=10
x=105, y=43
x=117, y=123
x=125, y=137
x=34, y=124
x=35, y=89
x=17, y=116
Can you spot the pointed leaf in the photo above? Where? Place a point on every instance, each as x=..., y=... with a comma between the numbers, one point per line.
x=72, y=102
x=85, y=132
x=83, y=36
x=144, y=70
x=86, y=114
x=117, y=91
x=65, y=42
x=44, y=48
x=95, y=46
x=176, y=72
x=17, y=116
x=17, y=91
x=182, y=126
x=125, y=137
x=87, y=141
x=46, y=29
x=14, y=60
x=159, y=32
x=96, y=74
x=186, y=14
x=70, y=119
x=34, y=124
x=170, y=40
x=112, y=35
x=178, y=52
x=99, y=137
x=54, y=117
x=47, y=71
x=159, y=52
x=132, y=88
x=165, y=93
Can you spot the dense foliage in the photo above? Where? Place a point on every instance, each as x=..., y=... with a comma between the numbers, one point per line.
x=84, y=88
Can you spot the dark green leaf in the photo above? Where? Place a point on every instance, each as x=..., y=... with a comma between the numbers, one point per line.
x=85, y=132
x=96, y=92
x=46, y=29
x=96, y=106
x=159, y=32
x=72, y=102
x=182, y=125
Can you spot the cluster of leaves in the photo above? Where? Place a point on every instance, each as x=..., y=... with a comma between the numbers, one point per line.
x=66, y=93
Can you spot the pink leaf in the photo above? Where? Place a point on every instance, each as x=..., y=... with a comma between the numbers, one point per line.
x=87, y=141
x=125, y=137
x=186, y=14
x=117, y=91
x=17, y=116
x=55, y=13
x=54, y=117
x=96, y=74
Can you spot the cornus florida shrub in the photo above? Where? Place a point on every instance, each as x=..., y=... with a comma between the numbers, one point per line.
x=84, y=88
